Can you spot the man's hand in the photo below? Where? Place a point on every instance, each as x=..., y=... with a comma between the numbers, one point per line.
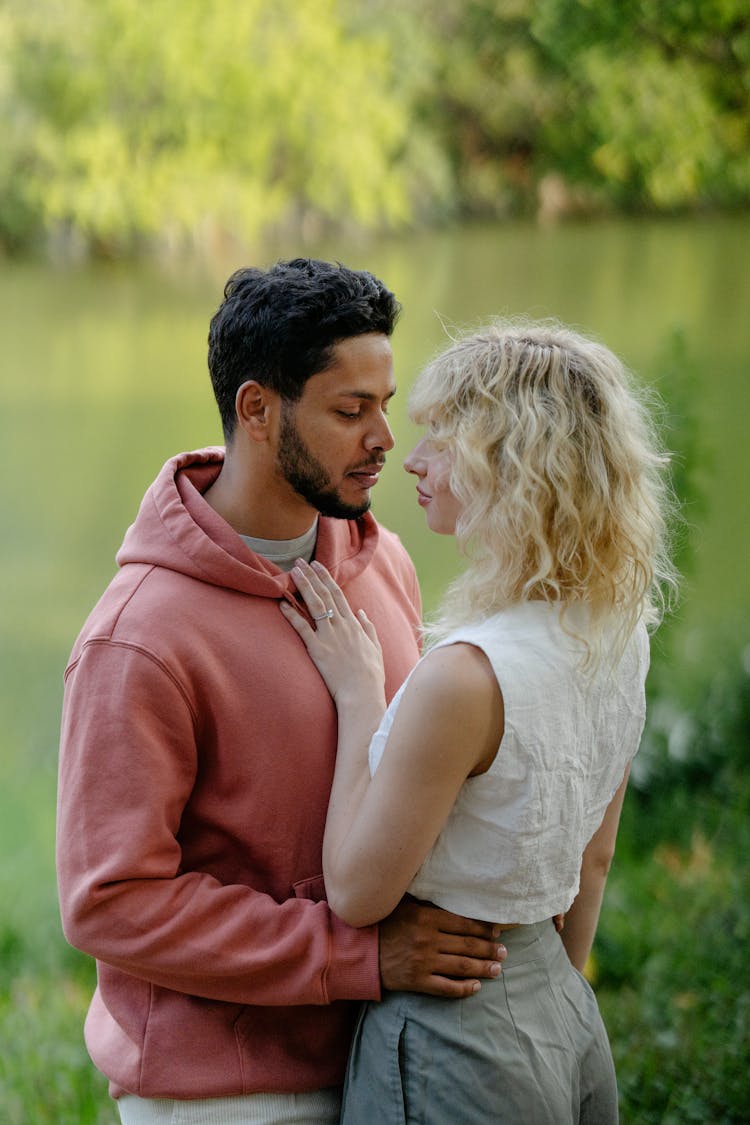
x=425, y=949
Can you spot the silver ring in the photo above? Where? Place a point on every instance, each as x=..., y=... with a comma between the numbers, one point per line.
x=328, y=613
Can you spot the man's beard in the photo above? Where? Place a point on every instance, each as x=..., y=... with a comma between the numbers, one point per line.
x=307, y=476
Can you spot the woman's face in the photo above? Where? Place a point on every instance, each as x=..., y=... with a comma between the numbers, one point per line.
x=431, y=464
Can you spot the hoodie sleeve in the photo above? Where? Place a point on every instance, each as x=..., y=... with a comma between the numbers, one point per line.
x=128, y=764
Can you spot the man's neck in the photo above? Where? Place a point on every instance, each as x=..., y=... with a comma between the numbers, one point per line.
x=258, y=504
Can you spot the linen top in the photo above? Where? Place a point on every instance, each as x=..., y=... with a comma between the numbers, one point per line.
x=511, y=848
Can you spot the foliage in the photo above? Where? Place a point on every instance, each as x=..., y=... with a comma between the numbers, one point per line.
x=661, y=95
x=181, y=120
x=183, y=123
x=487, y=95
x=580, y=104
x=671, y=950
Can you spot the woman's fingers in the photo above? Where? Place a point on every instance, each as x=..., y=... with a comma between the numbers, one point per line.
x=327, y=583
x=325, y=600
x=368, y=627
x=297, y=621
x=320, y=592
x=343, y=646
x=311, y=589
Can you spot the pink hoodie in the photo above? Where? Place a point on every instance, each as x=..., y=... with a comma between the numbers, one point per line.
x=197, y=750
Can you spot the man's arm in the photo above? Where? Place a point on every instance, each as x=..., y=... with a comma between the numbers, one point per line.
x=582, y=918
x=130, y=894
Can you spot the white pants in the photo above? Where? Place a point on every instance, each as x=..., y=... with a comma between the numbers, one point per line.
x=318, y=1107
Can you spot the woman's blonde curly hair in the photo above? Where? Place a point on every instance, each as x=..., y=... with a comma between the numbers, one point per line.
x=562, y=479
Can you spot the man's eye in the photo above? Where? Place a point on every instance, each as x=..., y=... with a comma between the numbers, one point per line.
x=345, y=414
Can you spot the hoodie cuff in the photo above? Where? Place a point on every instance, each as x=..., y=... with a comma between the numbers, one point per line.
x=354, y=968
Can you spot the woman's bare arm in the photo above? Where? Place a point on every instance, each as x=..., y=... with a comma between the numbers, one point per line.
x=378, y=831
x=582, y=918
x=448, y=725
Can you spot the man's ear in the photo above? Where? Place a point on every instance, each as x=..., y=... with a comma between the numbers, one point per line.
x=255, y=406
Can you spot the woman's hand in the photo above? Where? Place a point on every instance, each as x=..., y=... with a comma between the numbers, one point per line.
x=343, y=646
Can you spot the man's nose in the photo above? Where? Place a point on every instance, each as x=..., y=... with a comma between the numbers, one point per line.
x=381, y=436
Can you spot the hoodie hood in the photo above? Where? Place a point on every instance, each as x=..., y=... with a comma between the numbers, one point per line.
x=177, y=529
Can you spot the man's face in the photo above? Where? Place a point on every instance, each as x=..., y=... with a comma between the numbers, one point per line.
x=333, y=440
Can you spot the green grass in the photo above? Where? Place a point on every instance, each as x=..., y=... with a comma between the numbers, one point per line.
x=45, y=986
x=45, y=1072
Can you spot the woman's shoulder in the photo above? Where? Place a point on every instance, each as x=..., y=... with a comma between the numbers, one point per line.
x=451, y=668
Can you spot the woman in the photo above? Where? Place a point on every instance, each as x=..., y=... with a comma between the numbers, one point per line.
x=496, y=777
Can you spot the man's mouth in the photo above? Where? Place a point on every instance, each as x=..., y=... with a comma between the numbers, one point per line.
x=367, y=475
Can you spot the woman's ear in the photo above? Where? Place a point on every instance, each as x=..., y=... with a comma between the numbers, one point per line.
x=254, y=405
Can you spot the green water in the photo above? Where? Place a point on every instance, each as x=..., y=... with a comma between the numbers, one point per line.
x=104, y=377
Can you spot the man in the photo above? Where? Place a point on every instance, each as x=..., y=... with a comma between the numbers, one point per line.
x=198, y=739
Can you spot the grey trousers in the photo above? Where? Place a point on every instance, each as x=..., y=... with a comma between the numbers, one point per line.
x=527, y=1049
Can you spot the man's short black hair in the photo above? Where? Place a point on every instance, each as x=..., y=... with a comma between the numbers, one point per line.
x=280, y=326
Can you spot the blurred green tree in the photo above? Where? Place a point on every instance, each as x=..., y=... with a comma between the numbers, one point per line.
x=189, y=121
x=660, y=98
x=182, y=123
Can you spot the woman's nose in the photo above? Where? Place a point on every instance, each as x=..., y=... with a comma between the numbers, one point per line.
x=414, y=461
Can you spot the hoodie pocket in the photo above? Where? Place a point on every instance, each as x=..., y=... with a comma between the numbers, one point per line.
x=313, y=889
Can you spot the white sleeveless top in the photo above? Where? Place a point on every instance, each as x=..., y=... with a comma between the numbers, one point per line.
x=511, y=848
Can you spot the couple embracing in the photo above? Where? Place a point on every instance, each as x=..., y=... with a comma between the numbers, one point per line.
x=308, y=851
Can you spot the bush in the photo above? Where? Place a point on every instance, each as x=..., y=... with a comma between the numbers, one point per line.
x=670, y=960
